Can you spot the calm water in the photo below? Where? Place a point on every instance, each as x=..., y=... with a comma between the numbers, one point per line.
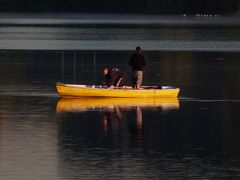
x=114, y=32
x=193, y=137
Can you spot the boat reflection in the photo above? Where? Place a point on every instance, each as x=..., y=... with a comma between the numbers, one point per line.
x=114, y=111
x=110, y=117
x=85, y=104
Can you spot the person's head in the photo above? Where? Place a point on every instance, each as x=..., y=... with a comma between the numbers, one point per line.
x=105, y=71
x=138, y=49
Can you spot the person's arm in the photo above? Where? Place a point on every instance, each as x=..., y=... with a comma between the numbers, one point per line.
x=119, y=79
x=108, y=82
x=108, y=79
x=114, y=76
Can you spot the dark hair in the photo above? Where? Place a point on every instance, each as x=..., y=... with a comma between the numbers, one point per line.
x=138, y=49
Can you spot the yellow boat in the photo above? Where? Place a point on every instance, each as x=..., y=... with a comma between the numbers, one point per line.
x=82, y=104
x=74, y=90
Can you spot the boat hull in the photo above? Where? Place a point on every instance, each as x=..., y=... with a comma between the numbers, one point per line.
x=73, y=90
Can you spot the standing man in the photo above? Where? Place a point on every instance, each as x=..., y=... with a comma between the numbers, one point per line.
x=137, y=62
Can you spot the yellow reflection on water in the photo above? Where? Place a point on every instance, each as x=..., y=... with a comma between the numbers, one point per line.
x=83, y=104
x=114, y=113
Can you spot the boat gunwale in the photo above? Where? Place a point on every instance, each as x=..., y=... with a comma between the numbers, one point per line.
x=128, y=88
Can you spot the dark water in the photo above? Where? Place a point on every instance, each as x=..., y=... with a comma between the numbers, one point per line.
x=193, y=137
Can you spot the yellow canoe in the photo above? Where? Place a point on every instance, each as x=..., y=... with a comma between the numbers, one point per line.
x=82, y=104
x=74, y=90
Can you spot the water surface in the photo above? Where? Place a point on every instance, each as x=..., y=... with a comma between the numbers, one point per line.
x=119, y=32
x=195, y=136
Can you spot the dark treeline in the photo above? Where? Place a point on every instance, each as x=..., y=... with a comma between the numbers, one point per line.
x=123, y=6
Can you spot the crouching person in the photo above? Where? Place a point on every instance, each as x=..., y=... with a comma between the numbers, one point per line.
x=114, y=77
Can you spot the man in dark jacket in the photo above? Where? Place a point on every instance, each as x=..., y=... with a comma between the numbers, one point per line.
x=137, y=62
x=114, y=77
